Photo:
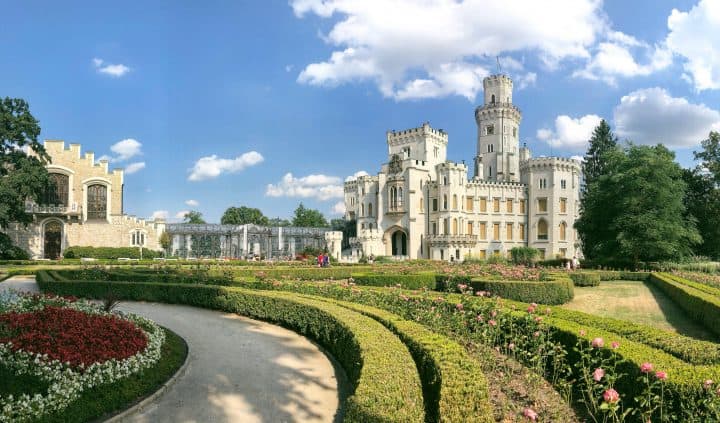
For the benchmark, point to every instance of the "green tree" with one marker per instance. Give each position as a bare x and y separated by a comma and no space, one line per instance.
651,222
308,218
602,142
710,156
242,215
276,221
23,176
193,216
165,241
702,204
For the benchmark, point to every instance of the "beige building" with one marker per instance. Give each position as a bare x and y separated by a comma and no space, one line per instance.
84,209
420,205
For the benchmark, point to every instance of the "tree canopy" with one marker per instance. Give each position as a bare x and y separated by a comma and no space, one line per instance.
309,218
193,216
243,215
602,143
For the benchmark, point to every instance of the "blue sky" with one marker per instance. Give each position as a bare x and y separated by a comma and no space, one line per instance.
222,99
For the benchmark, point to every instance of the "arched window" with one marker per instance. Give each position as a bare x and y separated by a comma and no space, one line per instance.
57,191
400,197
563,231
445,202
362,210
454,201
97,202
370,210
446,230
542,229
492,99
455,227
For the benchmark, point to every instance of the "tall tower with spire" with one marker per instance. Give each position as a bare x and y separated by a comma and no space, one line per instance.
498,122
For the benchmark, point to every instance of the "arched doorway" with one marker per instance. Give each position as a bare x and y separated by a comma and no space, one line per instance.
399,243
52,240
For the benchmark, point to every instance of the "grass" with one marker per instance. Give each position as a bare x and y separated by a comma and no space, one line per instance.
16,385
636,302
104,401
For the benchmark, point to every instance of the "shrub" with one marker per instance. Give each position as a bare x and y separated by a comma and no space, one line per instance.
701,305
557,291
585,279
109,252
385,382
419,280
524,255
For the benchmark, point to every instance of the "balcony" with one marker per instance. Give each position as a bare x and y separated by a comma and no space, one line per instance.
53,209
465,240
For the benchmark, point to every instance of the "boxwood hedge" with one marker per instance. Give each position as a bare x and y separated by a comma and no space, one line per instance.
585,279
385,382
419,280
697,300
558,291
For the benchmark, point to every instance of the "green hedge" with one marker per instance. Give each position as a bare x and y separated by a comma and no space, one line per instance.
558,291
301,273
134,274
109,252
585,279
385,382
699,304
419,280
454,387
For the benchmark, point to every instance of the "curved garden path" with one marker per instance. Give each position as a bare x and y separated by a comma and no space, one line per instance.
239,370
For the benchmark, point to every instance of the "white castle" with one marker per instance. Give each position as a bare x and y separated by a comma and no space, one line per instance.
420,205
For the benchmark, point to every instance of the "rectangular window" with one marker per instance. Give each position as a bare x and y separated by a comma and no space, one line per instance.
563,205
509,203
483,230
469,228
434,204
563,252
496,205
509,231
542,253
483,254
457,254
522,206
496,232
563,184
542,205
496,253
406,152
483,205
521,231
434,228
469,204
489,130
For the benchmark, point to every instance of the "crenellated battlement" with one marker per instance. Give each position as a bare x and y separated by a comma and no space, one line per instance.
560,163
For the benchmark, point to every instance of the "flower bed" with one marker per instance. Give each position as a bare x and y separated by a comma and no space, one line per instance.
71,365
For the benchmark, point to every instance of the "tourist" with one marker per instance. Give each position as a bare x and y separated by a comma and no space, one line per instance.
326,260
567,265
575,263
320,260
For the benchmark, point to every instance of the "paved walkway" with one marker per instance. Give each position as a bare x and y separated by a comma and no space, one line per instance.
240,370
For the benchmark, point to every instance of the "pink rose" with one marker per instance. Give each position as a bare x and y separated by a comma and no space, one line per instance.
615,345
598,343
459,306
661,375
598,374
646,367
536,333
531,309
582,332
611,396
708,383
492,323
530,414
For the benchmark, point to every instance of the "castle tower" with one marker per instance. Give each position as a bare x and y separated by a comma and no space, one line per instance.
498,122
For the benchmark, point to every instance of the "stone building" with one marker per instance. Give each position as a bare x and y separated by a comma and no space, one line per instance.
420,205
85,208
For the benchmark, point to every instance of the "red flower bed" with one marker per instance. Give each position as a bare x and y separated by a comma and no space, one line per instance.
72,336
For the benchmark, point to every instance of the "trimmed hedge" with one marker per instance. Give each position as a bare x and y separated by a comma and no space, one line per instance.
138,275
385,382
558,291
419,280
109,252
585,279
693,298
454,387
302,273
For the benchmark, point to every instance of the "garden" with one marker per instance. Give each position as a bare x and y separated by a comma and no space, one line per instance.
489,342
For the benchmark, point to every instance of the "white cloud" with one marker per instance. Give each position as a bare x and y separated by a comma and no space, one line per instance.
356,175
211,167
694,35
652,116
134,167
322,187
433,48
338,208
123,150
181,214
525,80
160,214
114,70
615,59
570,134
192,203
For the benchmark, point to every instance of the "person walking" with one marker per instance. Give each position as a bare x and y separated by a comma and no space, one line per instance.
326,260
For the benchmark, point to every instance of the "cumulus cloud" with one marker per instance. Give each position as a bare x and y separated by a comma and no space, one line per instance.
123,150
356,175
192,203
338,208
160,214
694,36
617,59
321,187
211,167
181,214
652,115
434,48
114,70
134,167
569,133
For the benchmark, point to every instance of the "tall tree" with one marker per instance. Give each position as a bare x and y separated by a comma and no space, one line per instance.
702,203
193,216
308,218
651,224
276,221
242,215
602,142
23,176
710,156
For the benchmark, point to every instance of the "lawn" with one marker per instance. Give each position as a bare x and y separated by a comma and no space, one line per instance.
639,303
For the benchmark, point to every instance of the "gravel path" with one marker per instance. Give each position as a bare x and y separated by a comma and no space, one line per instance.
240,370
